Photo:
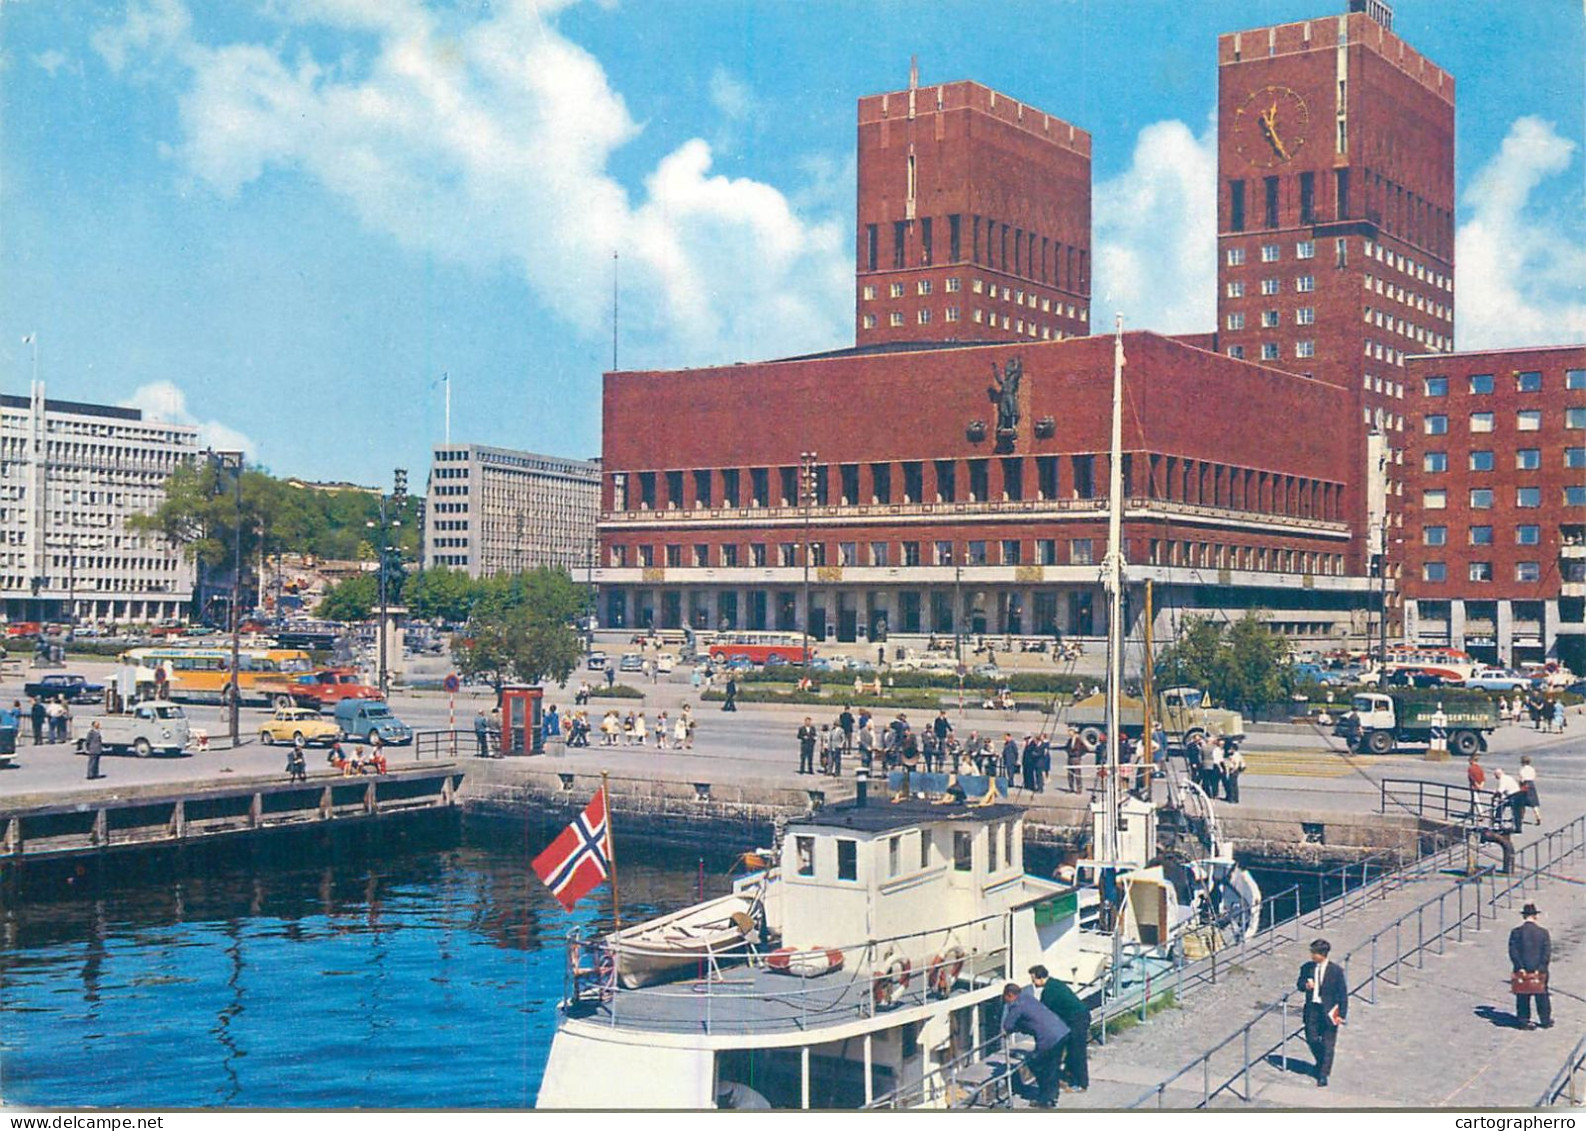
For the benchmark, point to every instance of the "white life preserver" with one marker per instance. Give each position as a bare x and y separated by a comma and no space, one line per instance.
892,979
944,970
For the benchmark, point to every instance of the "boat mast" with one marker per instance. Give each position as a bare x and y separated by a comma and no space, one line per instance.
1112,580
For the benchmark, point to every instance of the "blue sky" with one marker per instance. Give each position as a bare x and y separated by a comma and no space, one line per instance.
286,219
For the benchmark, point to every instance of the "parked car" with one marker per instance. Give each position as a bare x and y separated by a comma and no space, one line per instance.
154,727
73,688
1498,679
631,662
774,661
986,671
598,661
740,663
665,662
360,718
291,723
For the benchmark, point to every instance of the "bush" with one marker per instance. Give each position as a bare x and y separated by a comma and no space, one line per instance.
616,691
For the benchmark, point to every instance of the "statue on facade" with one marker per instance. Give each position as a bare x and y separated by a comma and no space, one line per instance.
1004,393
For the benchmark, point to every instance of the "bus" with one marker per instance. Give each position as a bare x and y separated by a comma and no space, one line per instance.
203,675
759,647
1449,664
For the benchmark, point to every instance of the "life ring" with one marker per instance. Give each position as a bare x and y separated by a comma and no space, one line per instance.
893,979
811,963
944,970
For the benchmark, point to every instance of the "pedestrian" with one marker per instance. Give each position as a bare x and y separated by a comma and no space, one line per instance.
482,734
66,720
94,747
943,727
730,703
376,752
1076,760
867,743
296,763
1559,720
1213,769
628,725
1022,1012
336,757
1527,777
1010,758
610,727
1508,803
641,731
807,736
824,745
688,726
1476,779
845,720
611,676
1233,767
680,732
1503,709
551,724
1326,1006
1530,951
1060,998
930,749
57,721
38,715
834,752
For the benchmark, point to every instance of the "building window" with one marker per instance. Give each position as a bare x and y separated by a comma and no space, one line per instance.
1481,498
1528,420
1434,536
1575,418
963,850
1436,425
896,290
1269,351
1480,571
1236,257
1528,459
975,554
1305,249
1527,535
1575,496
878,553
1481,384
1481,535
848,554
1437,386
1575,378
1527,571
869,321
646,556
911,553
1236,321
896,319
1236,352
1046,551
1305,284
1306,348
1434,500
1481,422
1528,497
701,557
1434,571
757,554
925,316
943,554
951,314
787,554
804,851
1236,289
1305,316
1236,206
1270,253
1481,461
1081,551
1573,457
1528,382
923,287
1269,319
1010,552
1434,462
953,285
1271,286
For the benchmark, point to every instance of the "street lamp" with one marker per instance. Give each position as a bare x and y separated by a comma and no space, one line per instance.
807,497
233,462
398,495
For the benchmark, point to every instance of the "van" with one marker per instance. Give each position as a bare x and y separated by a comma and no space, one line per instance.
360,718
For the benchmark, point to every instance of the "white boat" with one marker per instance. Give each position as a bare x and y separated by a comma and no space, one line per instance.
704,934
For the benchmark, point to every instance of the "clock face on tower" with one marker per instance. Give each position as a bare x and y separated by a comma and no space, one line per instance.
1271,127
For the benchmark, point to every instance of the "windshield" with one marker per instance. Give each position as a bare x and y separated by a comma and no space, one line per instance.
1189,698
168,712
1362,703
377,711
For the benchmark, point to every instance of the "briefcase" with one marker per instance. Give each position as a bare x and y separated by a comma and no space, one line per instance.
1528,982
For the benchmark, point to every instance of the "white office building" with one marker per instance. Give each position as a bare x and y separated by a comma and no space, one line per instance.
495,510
70,476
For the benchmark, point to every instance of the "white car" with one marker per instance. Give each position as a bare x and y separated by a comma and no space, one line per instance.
665,662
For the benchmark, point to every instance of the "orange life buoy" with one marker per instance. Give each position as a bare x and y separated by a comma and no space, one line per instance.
891,981
944,970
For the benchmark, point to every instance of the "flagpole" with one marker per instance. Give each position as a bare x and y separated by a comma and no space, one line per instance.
611,854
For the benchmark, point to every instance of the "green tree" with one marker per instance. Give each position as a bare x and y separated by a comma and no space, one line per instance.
523,627
351,600
1242,664
1196,658
447,594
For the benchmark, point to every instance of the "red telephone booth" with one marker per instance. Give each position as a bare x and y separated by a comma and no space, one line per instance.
522,731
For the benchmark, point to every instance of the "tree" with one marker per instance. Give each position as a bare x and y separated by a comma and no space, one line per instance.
523,627
351,600
1240,664
446,594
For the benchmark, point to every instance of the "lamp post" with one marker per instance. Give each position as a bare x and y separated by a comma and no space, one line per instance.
233,462
807,497
589,594
388,503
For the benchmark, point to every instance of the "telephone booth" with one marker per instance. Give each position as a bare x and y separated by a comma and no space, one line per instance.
522,731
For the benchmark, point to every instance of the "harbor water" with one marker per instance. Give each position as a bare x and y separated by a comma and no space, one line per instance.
412,966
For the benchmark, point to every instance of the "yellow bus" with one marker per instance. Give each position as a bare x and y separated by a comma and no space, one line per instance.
203,675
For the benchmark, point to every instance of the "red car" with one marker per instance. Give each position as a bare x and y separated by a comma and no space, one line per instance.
326,687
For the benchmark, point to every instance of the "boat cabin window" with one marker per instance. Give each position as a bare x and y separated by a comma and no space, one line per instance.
925,848
1007,844
963,851
804,852
991,845
847,859
894,855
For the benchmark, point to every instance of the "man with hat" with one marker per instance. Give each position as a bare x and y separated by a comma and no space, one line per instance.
1326,1006
1530,949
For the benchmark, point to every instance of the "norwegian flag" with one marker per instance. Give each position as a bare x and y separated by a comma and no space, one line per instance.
579,858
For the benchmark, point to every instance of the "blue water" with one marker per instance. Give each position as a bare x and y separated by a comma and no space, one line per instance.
419,972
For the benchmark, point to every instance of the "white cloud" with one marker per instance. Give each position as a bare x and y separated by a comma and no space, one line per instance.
165,401
491,142
730,95
1156,234
1521,272
51,61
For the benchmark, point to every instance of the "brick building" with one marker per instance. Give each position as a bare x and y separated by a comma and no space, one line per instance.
1494,538
1336,225
925,517
957,176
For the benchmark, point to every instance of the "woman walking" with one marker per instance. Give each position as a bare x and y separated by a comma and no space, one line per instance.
1528,787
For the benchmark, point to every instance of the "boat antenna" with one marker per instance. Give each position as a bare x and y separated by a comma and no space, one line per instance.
1112,579
611,849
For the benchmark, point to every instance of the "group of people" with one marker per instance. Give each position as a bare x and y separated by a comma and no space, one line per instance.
363,759
1215,764
1048,1011
51,719
1546,713
634,729
1511,797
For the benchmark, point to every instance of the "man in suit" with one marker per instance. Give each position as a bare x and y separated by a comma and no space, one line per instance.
1530,949
1071,1011
807,738
1326,1006
1022,1012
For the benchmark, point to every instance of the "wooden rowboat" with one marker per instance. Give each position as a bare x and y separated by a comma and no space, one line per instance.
675,945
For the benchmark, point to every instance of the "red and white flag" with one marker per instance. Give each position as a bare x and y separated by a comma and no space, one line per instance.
579,859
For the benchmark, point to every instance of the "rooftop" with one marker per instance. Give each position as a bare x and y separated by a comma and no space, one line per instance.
882,815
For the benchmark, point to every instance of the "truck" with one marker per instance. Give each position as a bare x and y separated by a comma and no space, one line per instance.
323,688
72,688
152,727
1182,712
1379,722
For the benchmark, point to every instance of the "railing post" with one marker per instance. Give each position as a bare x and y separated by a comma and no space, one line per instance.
1398,951
1420,937
1373,969
1321,901
1283,1042
1247,1063
1442,925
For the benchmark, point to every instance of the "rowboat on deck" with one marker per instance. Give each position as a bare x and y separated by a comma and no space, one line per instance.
661,949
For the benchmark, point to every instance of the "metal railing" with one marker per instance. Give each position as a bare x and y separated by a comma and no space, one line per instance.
449,744
1567,1086
1467,908
1438,800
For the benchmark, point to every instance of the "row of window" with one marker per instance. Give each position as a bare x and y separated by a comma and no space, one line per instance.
1385,320
1272,351
1273,285
1528,381
1420,271
1271,319
1525,420
1481,571
1481,498
999,246
1525,459
1273,253
1391,291
1402,211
